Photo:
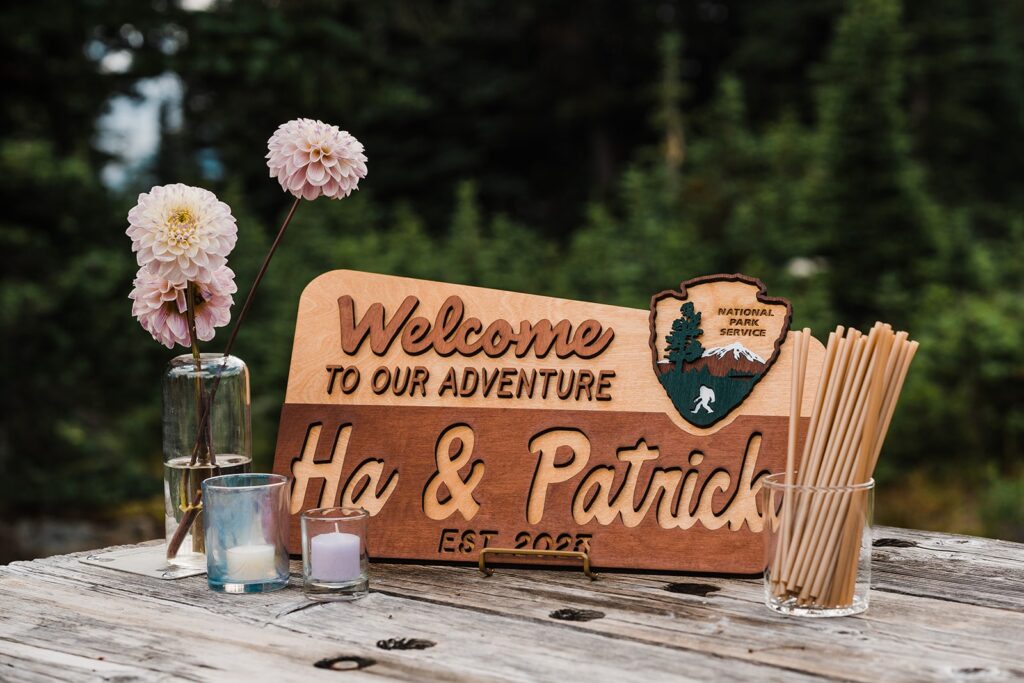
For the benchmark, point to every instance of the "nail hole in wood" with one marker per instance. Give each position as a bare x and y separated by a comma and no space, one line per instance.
701,589
893,543
345,663
570,614
405,644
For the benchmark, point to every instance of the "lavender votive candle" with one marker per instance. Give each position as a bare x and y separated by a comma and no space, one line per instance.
335,556
334,561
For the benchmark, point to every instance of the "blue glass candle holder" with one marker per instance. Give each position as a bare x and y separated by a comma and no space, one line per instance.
245,518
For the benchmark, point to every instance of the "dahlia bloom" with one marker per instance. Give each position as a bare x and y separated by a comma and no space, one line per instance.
311,158
160,305
181,233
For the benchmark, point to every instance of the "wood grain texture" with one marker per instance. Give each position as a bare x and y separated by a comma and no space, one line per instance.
595,457
64,620
318,344
692,505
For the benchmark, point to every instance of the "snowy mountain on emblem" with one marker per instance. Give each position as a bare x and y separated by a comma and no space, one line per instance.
738,351
734,360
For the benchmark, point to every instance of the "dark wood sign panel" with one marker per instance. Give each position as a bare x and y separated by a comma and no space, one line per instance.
465,418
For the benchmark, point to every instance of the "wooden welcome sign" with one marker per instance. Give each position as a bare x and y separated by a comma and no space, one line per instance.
463,418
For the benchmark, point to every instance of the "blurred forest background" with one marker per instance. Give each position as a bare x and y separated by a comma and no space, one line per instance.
863,158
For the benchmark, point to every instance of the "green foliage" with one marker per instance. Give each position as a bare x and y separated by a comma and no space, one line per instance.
869,202
62,330
859,157
1001,510
966,84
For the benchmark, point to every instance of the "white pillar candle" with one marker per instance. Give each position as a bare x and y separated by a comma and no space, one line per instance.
252,563
334,557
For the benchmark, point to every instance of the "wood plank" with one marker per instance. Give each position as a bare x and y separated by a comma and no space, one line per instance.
281,632
962,569
151,641
31,663
684,520
928,625
899,637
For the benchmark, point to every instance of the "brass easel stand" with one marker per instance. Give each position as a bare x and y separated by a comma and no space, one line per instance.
562,554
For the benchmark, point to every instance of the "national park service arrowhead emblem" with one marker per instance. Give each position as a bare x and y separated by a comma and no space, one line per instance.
712,342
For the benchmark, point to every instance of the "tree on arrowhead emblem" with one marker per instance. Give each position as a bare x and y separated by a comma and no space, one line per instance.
683,344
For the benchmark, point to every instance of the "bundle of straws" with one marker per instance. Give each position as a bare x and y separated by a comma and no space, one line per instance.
819,529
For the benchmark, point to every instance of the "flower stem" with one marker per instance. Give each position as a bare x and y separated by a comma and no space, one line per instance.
204,437
192,478
248,303
259,278
188,519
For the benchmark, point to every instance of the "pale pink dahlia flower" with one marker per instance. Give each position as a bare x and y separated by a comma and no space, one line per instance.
311,158
181,233
160,305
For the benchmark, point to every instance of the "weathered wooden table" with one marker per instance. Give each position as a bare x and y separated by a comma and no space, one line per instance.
943,608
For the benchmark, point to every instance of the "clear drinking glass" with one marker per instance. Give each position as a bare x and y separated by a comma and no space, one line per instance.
246,525
334,561
817,547
225,446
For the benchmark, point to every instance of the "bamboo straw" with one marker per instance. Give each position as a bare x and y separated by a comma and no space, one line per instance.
801,341
845,576
778,564
891,406
809,549
903,353
816,558
888,348
843,348
842,586
795,394
828,390
832,514
819,399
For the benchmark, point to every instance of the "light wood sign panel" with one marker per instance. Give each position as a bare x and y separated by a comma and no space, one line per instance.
464,418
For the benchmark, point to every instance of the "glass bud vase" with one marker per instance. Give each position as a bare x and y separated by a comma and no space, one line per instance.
191,455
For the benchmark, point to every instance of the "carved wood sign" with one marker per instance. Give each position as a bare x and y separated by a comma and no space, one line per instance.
464,418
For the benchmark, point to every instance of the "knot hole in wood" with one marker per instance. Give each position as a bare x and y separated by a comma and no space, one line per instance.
345,663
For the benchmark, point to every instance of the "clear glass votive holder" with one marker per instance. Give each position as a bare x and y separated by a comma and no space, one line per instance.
334,561
817,547
246,525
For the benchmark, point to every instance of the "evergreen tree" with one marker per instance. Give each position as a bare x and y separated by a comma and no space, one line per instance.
465,239
683,343
966,95
510,147
870,206
672,90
